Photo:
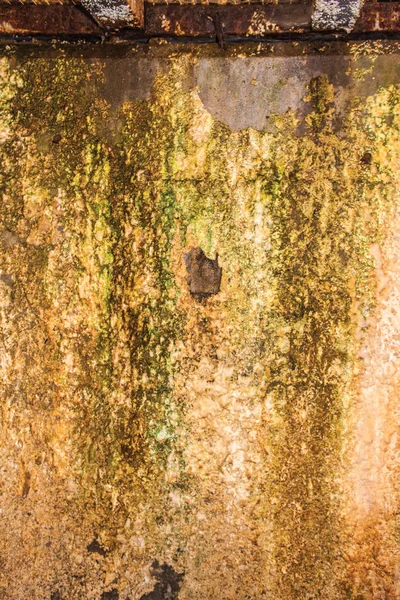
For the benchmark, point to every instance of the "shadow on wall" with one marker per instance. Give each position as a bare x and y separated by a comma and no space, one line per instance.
168,583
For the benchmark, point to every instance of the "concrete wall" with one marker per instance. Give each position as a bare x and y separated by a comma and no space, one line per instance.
158,445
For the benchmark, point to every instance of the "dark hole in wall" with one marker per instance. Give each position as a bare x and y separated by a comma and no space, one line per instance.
111,595
204,274
95,547
168,583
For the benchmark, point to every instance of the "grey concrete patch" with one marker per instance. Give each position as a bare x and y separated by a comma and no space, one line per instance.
244,92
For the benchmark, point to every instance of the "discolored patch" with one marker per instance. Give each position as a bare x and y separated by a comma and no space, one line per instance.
110,595
204,274
366,159
168,583
95,547
26,484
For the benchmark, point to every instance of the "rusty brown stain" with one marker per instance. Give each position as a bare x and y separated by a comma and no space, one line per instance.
56,19
379,16
240,20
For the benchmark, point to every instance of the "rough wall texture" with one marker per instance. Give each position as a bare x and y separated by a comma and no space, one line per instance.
157,445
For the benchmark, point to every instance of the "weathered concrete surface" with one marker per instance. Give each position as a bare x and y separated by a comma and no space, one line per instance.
333,15
114,14
157,445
